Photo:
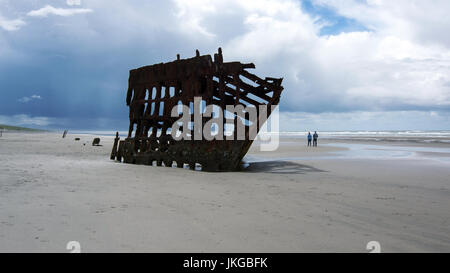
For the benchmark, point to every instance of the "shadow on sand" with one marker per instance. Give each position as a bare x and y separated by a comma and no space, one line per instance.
280,167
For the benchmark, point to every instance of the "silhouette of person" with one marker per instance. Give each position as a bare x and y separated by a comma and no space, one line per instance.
309,138
315,137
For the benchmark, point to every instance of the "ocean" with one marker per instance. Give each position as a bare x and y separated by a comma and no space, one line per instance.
437,136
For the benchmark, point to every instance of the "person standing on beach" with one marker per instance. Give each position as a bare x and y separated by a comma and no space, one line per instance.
309,139
315,137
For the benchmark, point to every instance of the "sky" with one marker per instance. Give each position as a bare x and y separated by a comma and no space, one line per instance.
346,64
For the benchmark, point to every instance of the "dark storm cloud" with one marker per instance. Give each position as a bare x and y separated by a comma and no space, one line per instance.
78,62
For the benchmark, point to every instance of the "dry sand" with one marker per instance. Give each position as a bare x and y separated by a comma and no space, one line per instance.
297,199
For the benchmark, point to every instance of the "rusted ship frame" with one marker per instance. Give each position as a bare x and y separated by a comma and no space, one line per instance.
154,90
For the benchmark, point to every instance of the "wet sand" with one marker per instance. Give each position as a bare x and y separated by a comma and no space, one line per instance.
333,198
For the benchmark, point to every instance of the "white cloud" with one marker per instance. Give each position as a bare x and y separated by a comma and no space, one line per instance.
365,120
73,2
28,99
11,25
402,62
47,10
387,67
419,20
23,119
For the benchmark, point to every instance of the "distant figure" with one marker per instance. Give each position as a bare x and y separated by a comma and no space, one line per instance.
309,139
64,134
315,137
1,131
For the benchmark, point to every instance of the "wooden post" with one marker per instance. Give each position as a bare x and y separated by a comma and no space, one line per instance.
114,149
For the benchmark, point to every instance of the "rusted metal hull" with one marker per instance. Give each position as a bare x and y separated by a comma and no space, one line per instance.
215,156
155,90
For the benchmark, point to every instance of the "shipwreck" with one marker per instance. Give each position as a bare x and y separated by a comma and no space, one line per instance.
158,95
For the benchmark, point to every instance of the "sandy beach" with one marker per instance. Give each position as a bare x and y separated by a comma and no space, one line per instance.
333,198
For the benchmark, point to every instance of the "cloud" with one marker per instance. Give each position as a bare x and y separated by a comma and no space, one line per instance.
47,10
27,120
73,2
46,122
398,59
365,121
420,21
11,25
360,70
28,99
